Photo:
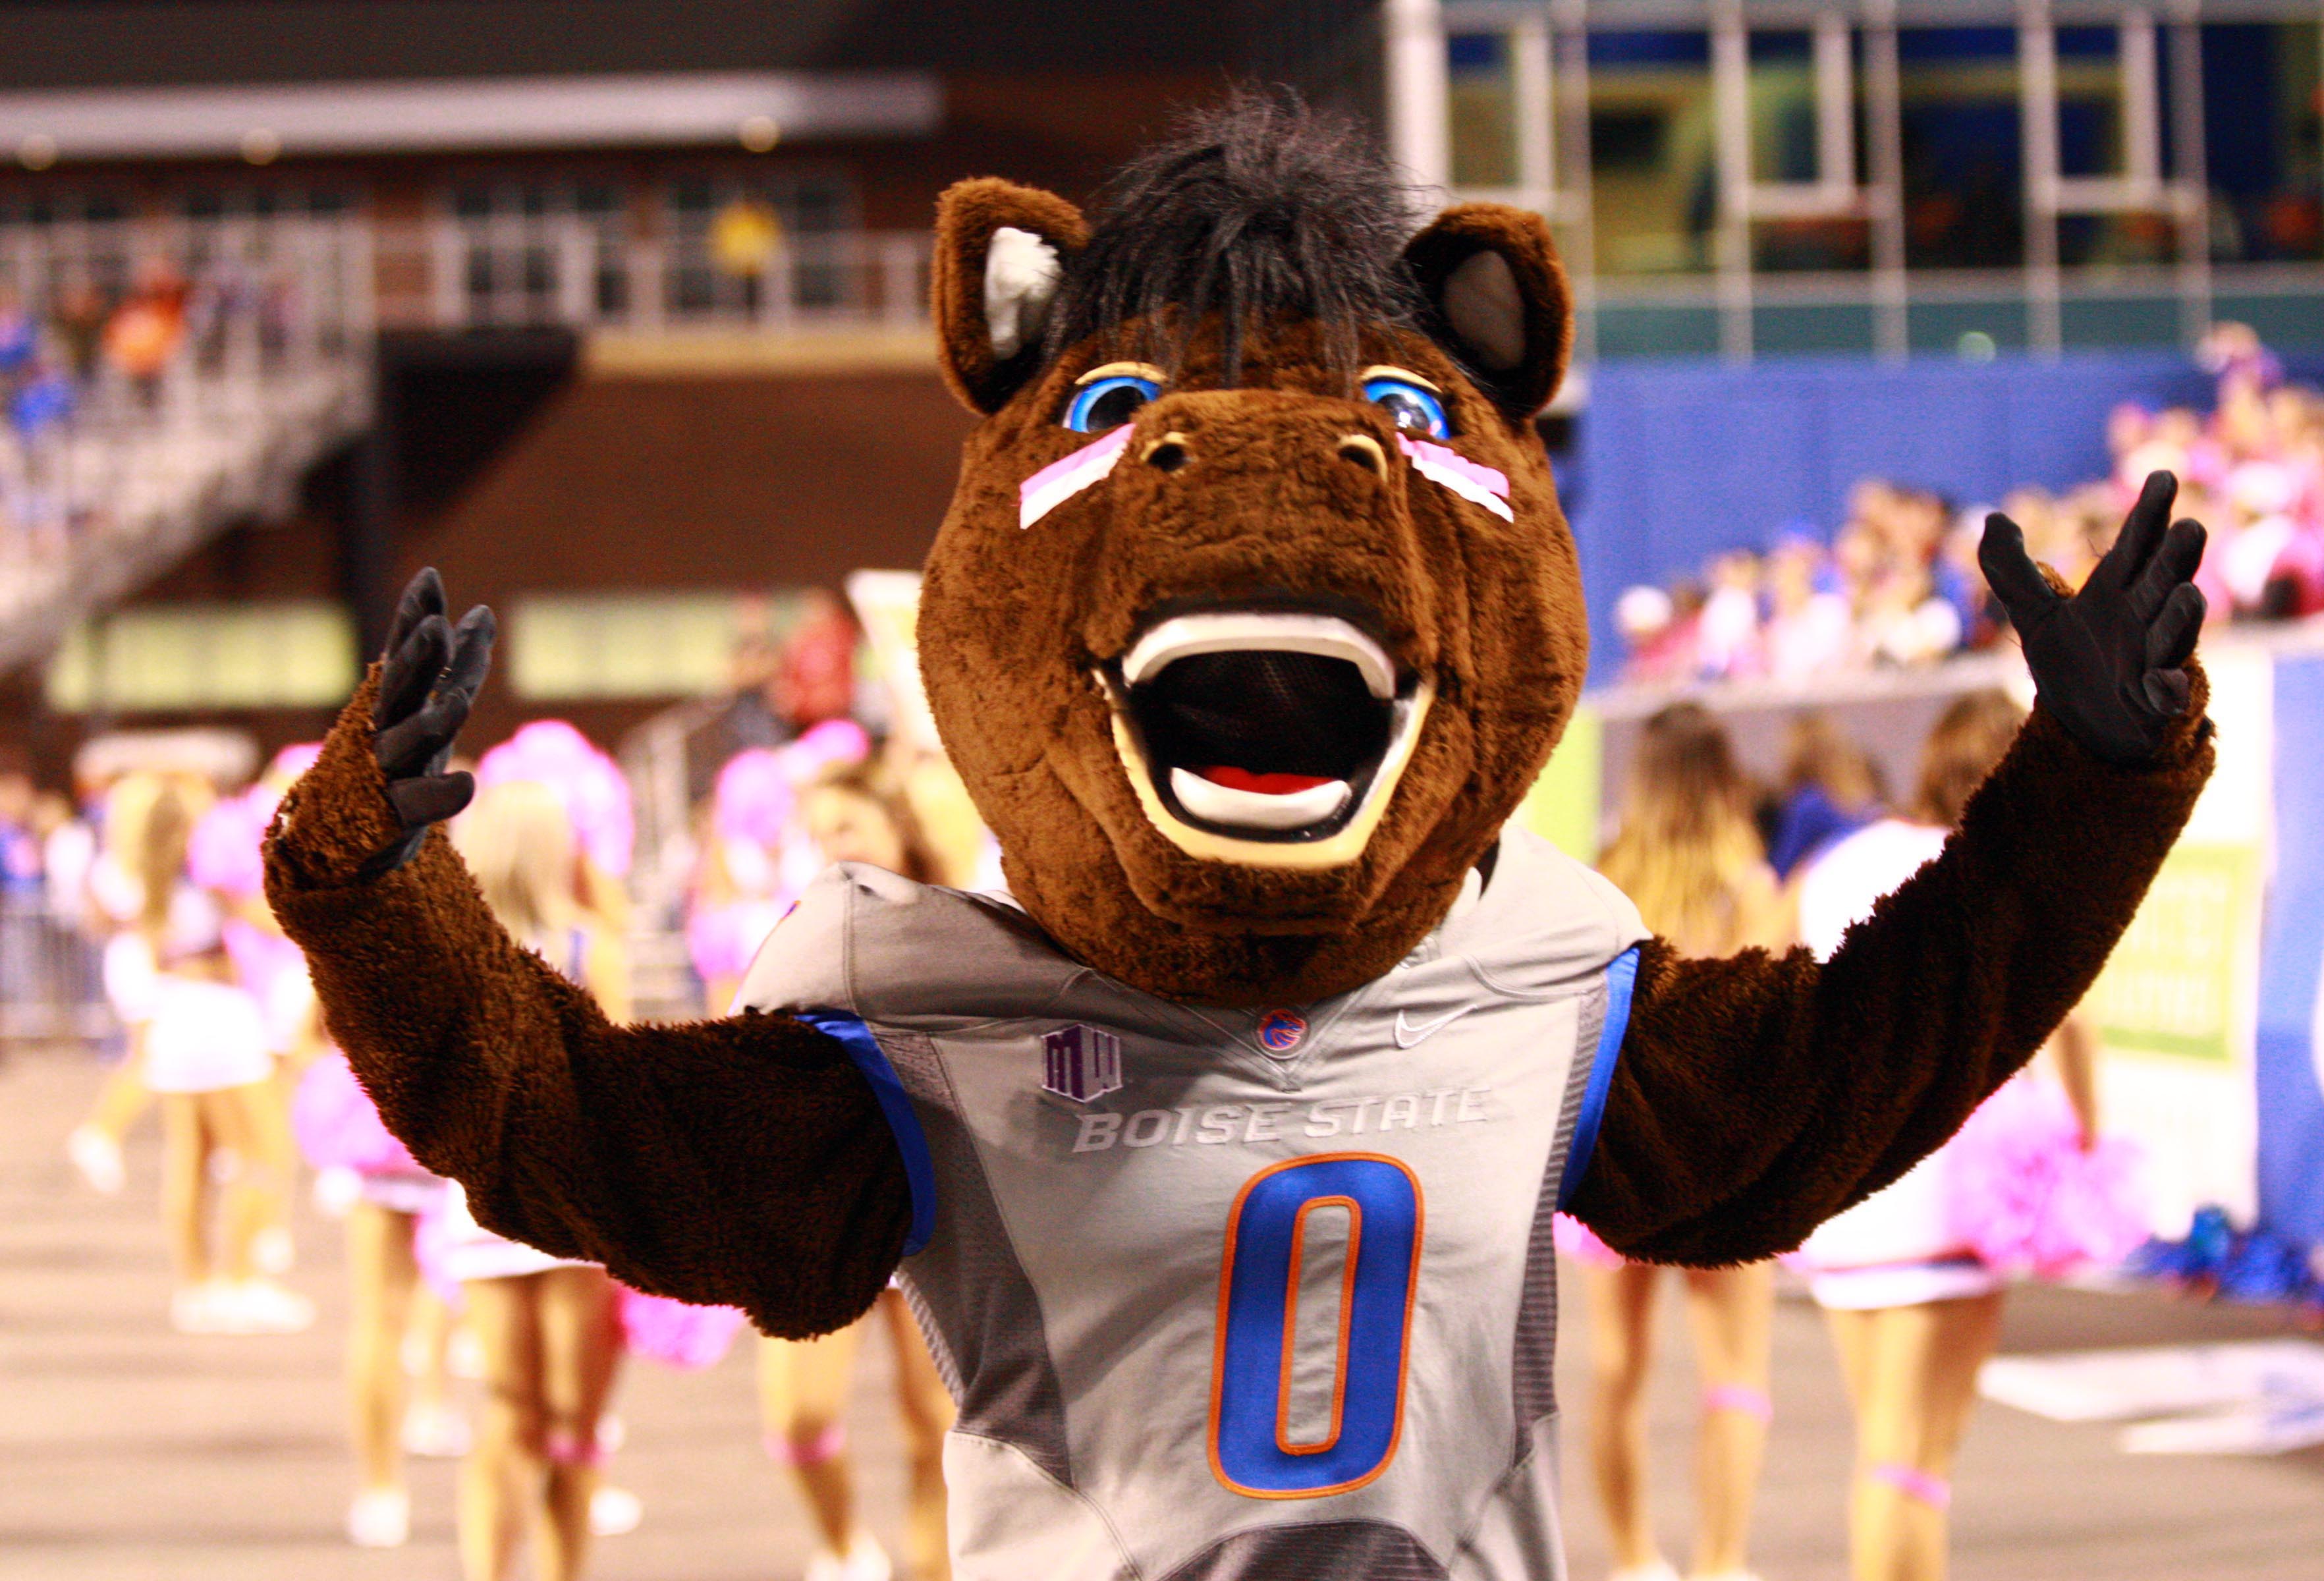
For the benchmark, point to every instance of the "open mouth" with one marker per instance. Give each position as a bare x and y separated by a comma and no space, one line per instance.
1273,737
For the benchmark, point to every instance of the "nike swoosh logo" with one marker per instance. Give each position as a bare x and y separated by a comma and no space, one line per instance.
1410,1035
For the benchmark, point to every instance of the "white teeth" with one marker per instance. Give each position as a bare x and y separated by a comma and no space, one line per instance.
1255,810
1263,631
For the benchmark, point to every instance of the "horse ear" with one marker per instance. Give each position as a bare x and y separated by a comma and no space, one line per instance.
1000,251
1497,299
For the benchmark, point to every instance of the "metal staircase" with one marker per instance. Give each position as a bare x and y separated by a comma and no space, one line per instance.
162,382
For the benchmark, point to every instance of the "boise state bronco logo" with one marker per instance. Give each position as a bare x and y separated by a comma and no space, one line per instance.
1281,1031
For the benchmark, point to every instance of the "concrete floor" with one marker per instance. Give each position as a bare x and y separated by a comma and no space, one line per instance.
128,1452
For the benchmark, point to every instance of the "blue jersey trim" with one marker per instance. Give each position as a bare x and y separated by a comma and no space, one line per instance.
896,1104
1621,977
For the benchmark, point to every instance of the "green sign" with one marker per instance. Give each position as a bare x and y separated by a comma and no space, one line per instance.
1561,807
2171,985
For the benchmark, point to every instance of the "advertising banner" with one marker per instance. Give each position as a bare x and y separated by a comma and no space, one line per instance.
2177,1004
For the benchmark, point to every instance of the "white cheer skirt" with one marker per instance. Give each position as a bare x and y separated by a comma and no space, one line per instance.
463,1250
205,1038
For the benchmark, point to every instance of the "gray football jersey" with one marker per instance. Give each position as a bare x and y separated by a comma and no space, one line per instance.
1233,1293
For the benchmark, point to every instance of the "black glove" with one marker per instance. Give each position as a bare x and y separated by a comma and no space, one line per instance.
2108,660
427,683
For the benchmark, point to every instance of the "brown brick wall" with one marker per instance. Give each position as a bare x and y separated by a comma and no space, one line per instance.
618,484
690,484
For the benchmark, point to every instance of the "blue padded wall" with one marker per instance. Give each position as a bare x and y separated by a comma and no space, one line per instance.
1677,460
2290,1076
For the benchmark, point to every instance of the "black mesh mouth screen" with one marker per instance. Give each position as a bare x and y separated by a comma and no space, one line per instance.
1263,712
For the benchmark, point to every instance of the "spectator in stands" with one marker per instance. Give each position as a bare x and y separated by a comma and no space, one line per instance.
2234,353
1662,630
1726,637
1903,567
1811,627
142,337
78,317
1905,620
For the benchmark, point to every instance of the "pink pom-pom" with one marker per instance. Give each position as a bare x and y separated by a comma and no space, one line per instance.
722,940
274,972
758,790
753,798
833,741
226,852
339,1127
595,792
1580,1243
713,942
676,1333
2026,1197
291,762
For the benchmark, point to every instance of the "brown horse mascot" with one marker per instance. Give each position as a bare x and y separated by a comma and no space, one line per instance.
1218,1158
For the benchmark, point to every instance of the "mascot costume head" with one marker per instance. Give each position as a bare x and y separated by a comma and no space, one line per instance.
1255,614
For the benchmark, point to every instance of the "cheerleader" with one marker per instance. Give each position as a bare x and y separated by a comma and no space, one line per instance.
224,859
1689,854
752,867
206,1054
550,1327
109,903
804,1384
1911,1278
384,1192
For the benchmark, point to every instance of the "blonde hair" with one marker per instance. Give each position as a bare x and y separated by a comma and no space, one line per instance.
1686,847
127,809
125,805
159,845
517,842
1817,752
1969,738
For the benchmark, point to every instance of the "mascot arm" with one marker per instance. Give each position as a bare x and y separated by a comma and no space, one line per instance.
1757,1095
742,1161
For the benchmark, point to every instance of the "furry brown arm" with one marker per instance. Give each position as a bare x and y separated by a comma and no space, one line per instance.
1757,1095
740,1161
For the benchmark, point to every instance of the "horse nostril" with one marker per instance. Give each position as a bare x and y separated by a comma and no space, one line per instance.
1166,454
1365,452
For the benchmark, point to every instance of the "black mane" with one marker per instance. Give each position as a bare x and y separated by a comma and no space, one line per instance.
1257,209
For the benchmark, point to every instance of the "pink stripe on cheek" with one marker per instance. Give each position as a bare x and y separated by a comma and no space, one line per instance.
1062,479
1491,480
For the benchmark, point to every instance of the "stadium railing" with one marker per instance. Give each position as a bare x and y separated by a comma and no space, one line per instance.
51,987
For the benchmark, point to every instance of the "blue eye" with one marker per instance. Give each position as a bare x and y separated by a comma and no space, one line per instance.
1414,408
1109,402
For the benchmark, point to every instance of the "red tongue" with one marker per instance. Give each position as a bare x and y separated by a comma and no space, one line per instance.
1235,779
